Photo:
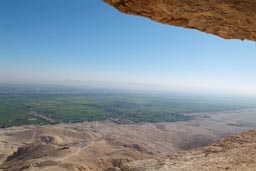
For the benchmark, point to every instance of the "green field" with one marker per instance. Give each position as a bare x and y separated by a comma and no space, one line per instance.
78,107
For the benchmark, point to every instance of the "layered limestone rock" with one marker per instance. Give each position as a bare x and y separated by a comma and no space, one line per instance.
230,19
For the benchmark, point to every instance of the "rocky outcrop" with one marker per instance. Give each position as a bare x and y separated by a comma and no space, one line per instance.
235,153
230,19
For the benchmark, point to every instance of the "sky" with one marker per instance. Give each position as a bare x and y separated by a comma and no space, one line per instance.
58,40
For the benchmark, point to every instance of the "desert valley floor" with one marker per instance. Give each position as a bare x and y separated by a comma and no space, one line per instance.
105,145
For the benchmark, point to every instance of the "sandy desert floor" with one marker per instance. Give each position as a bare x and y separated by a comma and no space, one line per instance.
103,145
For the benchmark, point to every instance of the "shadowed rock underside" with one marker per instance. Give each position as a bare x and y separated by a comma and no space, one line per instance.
229,19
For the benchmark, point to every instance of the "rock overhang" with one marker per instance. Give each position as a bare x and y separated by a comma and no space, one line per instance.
229,19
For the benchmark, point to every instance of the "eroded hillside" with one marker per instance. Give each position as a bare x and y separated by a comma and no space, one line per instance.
235,153
92,146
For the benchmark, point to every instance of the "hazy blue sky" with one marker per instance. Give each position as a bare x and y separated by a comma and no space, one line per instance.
56,40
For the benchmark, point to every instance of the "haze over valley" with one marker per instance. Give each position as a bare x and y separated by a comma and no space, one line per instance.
70,128
86,87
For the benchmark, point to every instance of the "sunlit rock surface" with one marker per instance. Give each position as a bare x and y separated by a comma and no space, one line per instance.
235,153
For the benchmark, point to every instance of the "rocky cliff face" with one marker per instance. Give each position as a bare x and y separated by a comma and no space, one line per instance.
236,153
230,19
